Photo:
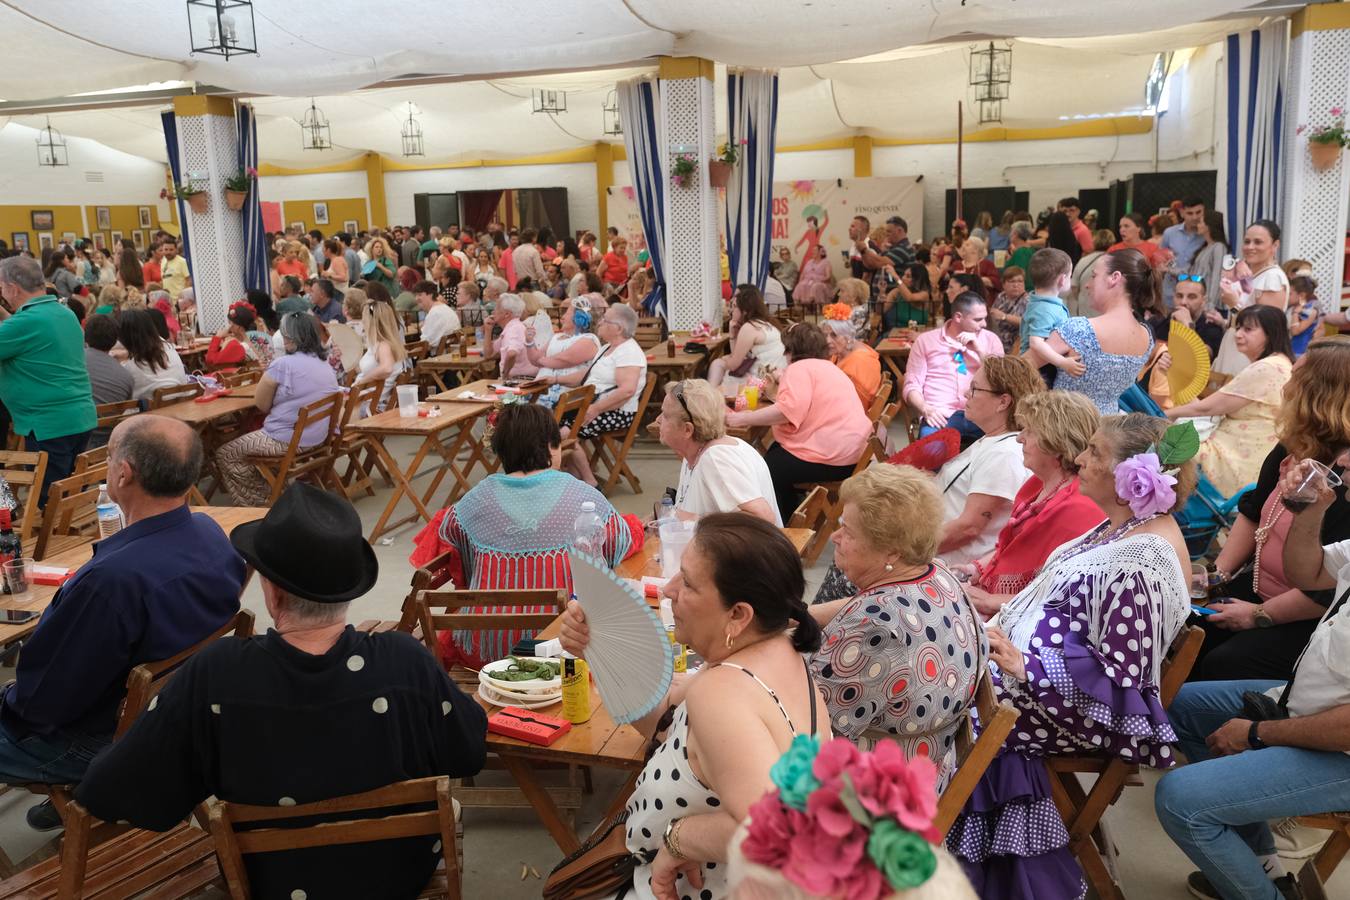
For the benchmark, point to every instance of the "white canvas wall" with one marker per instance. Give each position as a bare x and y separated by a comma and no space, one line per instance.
320,186
125,178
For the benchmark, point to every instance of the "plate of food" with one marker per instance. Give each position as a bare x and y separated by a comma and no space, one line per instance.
535,701
522,675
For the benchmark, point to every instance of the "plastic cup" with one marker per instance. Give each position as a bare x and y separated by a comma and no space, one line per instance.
752,397
675,536
407,401
1199,582
1317,475
18,576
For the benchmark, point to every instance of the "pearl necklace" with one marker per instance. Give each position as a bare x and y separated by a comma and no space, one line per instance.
1268,523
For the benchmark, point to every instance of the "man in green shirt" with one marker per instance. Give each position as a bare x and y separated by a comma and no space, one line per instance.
43,380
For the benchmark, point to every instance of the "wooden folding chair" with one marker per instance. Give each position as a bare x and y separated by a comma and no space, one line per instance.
812,513
314,464
1082,811
360,818
139,860
611,454
648,333
351,445
975,753
242,377
574,401
111,414
24,471
91,459
174,393
69,518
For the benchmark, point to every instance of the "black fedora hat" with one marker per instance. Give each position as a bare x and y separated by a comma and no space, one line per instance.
310,544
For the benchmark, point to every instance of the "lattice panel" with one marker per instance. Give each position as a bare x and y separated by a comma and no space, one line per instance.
209,154
1314,202
692,270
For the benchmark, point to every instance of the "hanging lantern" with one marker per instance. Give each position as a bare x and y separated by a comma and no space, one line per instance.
314,131
412,135
51,147
548,101
613,124
991,66
990,111
221,27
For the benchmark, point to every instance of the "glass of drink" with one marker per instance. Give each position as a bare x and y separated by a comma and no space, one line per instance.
1199,583
18,575
752,397
1315,476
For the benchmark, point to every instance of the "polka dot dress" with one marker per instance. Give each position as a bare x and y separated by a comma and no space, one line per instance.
613,420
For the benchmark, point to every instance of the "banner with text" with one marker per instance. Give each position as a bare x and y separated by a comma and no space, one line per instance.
810,214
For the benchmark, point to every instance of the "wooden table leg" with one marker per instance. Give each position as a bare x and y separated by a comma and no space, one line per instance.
543,804
403,486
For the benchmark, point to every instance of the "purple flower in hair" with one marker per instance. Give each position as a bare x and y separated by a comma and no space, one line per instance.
1142,484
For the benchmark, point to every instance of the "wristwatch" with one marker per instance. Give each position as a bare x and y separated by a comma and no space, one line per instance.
671,838
1253,739
1261,617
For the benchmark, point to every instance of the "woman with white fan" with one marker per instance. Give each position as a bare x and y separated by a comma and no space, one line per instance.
738,592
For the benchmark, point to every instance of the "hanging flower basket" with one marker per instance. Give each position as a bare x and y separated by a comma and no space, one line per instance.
683,170
1324,156
719,172
197,201
235,199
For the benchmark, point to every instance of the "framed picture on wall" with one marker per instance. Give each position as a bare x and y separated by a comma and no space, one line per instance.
103,218
298,226
144,213
116,236
45,241
68,237
138,239
43,219
99,240
20,240
320,213
350,227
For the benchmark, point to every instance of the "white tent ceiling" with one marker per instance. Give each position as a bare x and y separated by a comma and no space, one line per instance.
847,67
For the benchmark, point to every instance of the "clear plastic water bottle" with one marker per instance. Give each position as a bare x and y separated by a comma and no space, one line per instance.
109,514
587,530
478,336
666,510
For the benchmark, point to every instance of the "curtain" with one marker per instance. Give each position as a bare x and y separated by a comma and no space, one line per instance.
752,120
175,170
479,207
256,275
1257,61
645,142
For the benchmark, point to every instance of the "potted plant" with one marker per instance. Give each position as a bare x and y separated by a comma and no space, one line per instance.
719,167
237,185
187,191
683,169
1325,142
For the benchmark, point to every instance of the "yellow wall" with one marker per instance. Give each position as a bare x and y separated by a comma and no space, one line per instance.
125,219
339,210
17,218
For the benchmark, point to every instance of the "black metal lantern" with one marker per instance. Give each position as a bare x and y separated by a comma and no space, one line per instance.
222,27
51,147
991,67
548,101
990,111
314,131
412,135
613,123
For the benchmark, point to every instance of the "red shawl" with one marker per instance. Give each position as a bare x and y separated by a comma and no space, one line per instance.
1033,532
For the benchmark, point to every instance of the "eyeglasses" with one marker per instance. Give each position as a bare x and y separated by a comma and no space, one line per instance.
1185,276
678,393
973,389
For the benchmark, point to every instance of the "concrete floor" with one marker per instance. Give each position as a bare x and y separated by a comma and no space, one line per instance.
498,843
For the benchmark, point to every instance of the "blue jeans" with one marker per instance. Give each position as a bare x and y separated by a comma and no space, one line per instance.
1216,809
53,759
969,431
61,453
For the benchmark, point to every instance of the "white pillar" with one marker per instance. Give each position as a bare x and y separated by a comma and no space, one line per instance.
208,153
1314,202
693,273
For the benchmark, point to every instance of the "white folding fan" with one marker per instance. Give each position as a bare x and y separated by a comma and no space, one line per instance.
629,650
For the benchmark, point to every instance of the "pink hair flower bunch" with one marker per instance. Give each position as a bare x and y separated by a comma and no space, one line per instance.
844,823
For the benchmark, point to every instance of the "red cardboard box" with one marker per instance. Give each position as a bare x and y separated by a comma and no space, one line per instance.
528,725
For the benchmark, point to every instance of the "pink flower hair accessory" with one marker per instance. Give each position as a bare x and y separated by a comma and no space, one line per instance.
1141,482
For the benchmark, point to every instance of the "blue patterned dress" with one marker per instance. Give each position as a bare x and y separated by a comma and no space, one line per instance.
1108,375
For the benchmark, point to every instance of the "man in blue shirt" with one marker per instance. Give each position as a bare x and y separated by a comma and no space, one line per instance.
163,583
1183,242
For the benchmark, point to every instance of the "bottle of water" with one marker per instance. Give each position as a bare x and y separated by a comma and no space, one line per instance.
666,510
587,531
109,514
478,336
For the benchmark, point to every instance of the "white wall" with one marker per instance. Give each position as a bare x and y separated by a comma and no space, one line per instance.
321,186
126,178
578,178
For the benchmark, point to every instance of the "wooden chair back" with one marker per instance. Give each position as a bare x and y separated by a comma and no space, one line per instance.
110,414
974,754
418,350
148,679
361,818
648,333
70,510
298,462
24,472
90,459
427,577
1180,659
454,602
877,407
814,513
573,401
613,454
242,376
174,393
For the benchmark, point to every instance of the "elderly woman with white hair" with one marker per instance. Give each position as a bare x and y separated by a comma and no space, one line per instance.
509,347
618,373
718,473
854,358
570,349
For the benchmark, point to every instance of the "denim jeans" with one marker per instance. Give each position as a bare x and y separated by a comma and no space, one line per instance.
1216,809
969,431
54,758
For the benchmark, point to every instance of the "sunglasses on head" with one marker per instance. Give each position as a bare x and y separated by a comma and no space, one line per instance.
1198,279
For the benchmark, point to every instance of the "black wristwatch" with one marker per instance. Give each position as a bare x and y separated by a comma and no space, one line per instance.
1254,739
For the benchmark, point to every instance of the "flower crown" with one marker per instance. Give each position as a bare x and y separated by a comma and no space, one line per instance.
838,312
847,823
243,304
1146,480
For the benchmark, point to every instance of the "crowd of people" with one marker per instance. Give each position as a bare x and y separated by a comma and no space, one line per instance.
1032,533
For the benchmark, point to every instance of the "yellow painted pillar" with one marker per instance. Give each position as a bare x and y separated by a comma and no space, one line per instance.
862,156
379,210
604,180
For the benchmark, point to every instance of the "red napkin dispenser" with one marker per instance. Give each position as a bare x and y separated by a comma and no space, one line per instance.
528,725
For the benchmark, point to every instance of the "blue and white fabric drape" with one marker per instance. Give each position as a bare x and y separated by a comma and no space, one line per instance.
752,117
645,142
1257,61
175,170
256,277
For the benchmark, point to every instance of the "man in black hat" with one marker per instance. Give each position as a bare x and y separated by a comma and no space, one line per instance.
312,709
